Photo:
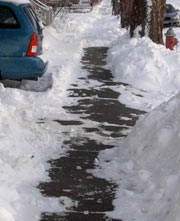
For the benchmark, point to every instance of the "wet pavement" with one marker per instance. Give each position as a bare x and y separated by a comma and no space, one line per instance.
101,122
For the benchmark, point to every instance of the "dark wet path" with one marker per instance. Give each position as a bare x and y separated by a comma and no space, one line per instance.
100,122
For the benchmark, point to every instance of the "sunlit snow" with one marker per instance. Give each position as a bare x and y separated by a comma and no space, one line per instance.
146,166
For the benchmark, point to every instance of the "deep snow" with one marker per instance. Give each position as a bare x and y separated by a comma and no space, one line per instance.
146,165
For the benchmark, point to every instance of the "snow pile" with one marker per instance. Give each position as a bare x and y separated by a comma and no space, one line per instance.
146,66
147,167
24,150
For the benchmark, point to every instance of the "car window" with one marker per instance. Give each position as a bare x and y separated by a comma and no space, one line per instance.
170,8
33,18
7,18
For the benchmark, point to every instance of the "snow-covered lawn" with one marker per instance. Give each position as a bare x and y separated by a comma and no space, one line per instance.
146,165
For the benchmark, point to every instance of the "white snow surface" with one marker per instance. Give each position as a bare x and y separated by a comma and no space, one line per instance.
149,67
145,166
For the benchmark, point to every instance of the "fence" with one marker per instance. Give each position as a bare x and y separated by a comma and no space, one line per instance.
44,12
47,10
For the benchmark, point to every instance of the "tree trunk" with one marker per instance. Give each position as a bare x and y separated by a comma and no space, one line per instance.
144,17
138,18
125,11
156,22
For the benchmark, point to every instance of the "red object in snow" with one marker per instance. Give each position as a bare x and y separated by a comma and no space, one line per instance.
171,41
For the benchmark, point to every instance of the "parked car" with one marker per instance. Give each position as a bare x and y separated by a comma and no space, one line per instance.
20,41
172,16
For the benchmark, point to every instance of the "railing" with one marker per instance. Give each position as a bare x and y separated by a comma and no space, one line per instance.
77,8
44,12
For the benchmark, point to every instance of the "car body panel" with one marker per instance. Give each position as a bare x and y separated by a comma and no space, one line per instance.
28,67
14,42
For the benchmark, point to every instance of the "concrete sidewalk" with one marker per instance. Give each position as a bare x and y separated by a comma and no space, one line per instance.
71,175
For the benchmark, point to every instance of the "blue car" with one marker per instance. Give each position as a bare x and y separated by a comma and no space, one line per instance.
20,41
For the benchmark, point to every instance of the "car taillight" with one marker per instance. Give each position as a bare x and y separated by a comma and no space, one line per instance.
33,45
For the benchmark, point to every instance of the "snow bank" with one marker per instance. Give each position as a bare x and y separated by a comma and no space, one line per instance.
25,147
146,66
147,167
